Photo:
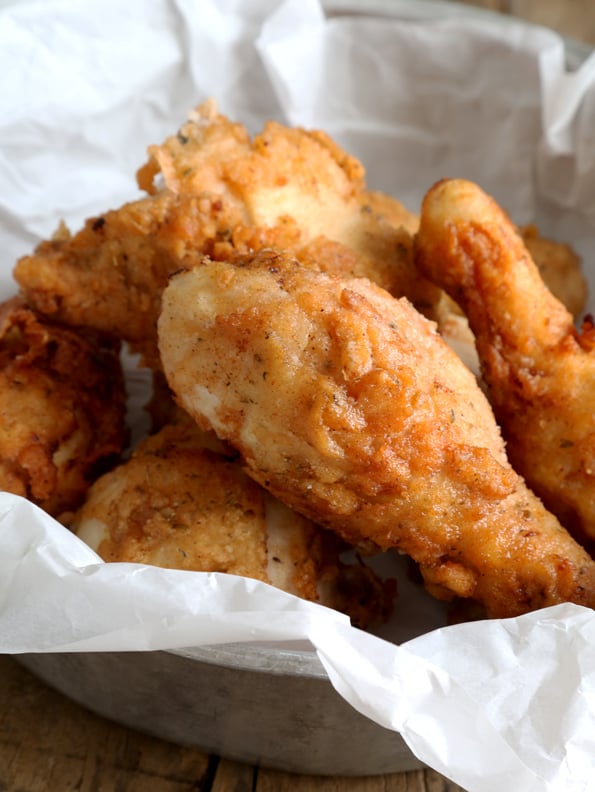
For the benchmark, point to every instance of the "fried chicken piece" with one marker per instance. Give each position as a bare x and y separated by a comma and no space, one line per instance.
109,276
540,372
221,192
291,173
560,267
347,405
390,209
180,503
561,270
62,407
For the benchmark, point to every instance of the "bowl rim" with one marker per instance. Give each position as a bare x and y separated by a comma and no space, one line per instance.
431,10
265,658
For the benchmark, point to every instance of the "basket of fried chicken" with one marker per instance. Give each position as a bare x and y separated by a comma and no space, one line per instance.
332,377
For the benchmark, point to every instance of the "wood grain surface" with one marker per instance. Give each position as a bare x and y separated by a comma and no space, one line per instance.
49,743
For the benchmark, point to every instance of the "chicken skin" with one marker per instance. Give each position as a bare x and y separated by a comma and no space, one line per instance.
220,192
539,371
180,502
62,409
561,270
560,267
346,404
296,177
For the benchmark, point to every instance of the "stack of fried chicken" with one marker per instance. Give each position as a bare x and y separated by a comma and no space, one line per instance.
307,396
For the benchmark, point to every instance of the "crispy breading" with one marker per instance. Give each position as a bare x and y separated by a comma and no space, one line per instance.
62,406
177,504
540,372
345,403
379,433
221,192
390,209
289,173
561,270
180,503
109,275
560,267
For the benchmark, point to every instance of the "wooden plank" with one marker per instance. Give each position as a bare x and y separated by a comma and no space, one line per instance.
234,777
435,782
271,781
49,742
574,18
492,5
417,781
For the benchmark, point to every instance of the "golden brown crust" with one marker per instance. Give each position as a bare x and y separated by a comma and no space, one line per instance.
390,209
180,505
393,448
223,193
178,502
109,275
560,268
62,405
345,404
540,372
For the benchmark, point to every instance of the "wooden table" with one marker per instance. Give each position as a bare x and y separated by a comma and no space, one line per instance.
48,743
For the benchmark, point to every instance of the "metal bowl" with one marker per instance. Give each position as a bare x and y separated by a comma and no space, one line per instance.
271,707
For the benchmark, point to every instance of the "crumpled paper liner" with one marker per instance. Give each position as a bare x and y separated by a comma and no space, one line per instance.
501,704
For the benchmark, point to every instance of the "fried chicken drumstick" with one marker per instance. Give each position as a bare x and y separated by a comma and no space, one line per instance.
345,404
540,372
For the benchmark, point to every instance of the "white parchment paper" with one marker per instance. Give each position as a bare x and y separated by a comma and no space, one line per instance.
504,704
